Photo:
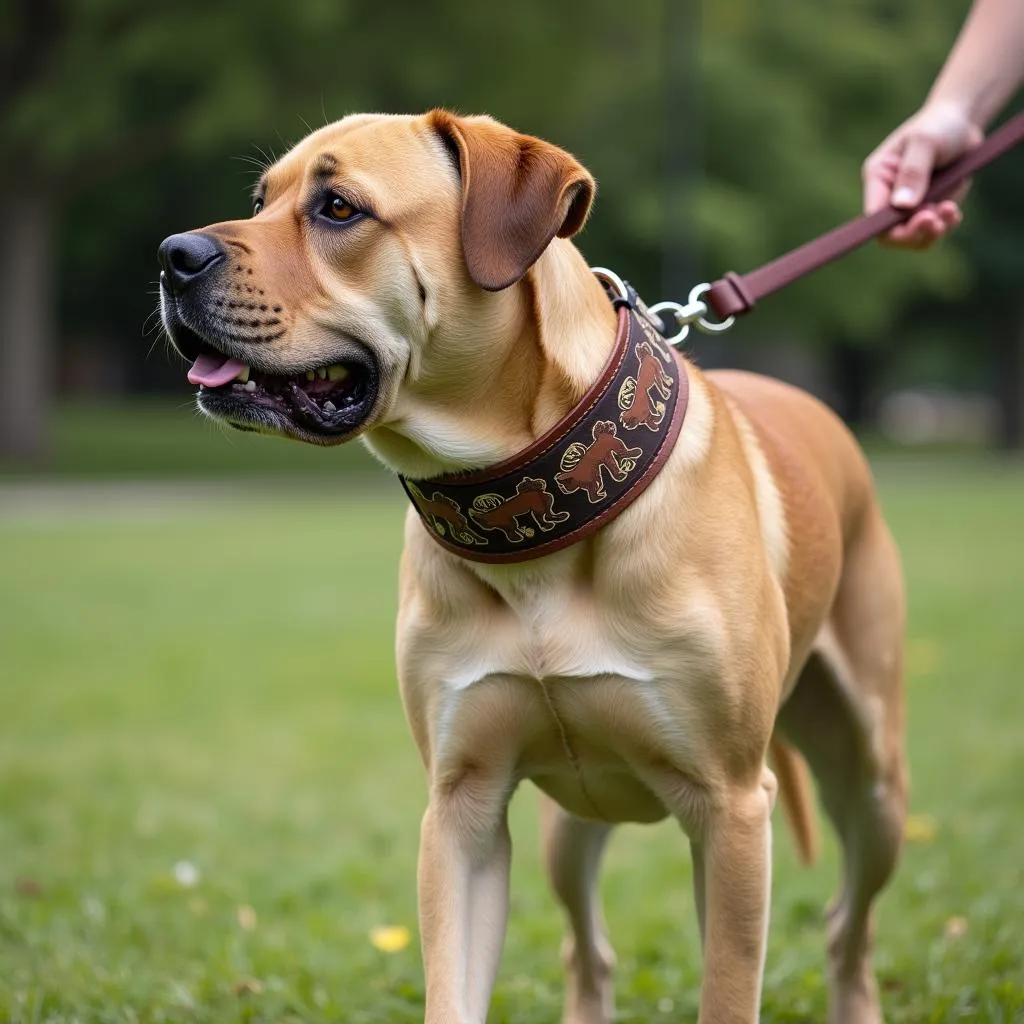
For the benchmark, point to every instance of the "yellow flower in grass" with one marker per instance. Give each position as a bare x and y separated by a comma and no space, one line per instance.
923,657
920,828
390,938
246,917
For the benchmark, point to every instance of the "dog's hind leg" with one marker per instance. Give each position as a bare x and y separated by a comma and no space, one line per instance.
846,716
572,853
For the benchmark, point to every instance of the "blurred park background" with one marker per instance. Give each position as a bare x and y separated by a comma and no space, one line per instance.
721,135
208,798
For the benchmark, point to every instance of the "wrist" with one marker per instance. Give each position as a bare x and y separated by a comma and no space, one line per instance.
948,106
976,101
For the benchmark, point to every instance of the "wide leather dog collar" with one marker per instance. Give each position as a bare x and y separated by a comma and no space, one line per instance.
582,473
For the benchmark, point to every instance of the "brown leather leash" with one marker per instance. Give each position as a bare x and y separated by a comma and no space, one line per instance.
736,294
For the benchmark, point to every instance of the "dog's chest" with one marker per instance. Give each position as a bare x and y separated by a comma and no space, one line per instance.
550,629
576,689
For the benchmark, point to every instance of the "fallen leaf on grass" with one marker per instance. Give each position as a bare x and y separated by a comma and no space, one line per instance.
920,828
956,928
246,917
247,987
27,887
390,938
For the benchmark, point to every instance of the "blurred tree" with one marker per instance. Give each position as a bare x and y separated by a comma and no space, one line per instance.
92,88
797,93
990,328
118,121
27,33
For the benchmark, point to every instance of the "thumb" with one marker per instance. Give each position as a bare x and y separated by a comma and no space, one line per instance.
915,172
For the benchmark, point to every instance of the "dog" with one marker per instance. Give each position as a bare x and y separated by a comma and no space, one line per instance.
411,280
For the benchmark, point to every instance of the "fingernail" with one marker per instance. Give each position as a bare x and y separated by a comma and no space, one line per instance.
903,197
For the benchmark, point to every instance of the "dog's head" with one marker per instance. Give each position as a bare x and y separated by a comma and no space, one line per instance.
372,246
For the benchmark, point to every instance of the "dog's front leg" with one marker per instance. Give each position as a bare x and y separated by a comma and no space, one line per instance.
465,853
734,872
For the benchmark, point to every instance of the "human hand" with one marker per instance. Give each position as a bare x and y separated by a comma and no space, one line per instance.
899,172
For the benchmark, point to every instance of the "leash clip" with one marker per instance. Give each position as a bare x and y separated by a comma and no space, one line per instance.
694,313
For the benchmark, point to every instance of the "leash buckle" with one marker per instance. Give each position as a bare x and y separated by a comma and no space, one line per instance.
693,314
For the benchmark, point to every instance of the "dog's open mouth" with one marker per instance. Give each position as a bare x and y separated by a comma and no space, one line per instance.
322,405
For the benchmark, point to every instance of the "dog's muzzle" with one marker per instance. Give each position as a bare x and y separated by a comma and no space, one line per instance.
229,344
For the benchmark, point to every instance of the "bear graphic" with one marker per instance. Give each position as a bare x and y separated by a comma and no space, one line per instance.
493,512
582,465
639,407
445,516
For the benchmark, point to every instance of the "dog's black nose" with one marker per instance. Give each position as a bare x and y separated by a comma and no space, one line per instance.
185,258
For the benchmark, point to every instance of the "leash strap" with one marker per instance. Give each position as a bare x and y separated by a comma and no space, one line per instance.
735,294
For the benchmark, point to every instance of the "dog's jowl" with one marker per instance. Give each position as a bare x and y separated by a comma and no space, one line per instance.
649,590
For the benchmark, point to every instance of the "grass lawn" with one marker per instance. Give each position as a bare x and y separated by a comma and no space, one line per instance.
169,437
208,797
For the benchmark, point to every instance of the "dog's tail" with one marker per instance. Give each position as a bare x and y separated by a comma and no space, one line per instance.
797,799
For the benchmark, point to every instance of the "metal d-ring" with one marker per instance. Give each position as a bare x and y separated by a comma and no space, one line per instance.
609,277
701,322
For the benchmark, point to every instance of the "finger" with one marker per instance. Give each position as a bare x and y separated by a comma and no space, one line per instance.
922,231
951,216
936,224
915,172
912,232
909,230
879,173
929,238
924,237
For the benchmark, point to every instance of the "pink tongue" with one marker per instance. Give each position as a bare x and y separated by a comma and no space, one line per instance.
213,371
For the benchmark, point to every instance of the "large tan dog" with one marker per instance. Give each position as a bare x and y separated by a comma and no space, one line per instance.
409,279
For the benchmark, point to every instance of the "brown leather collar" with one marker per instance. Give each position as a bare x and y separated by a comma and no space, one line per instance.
582,473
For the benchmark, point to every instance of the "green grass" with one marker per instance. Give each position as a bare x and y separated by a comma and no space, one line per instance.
159,438
210,680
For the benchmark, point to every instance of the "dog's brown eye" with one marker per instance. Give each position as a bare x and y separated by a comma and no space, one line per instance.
340,209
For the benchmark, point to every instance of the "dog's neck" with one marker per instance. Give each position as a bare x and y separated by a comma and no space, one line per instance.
521,365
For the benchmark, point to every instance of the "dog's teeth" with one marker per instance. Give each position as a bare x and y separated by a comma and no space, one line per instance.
243,374
310,375
336,372
250,385
322,373
330,407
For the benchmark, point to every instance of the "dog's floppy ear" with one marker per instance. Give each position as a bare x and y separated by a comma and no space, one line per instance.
518,192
